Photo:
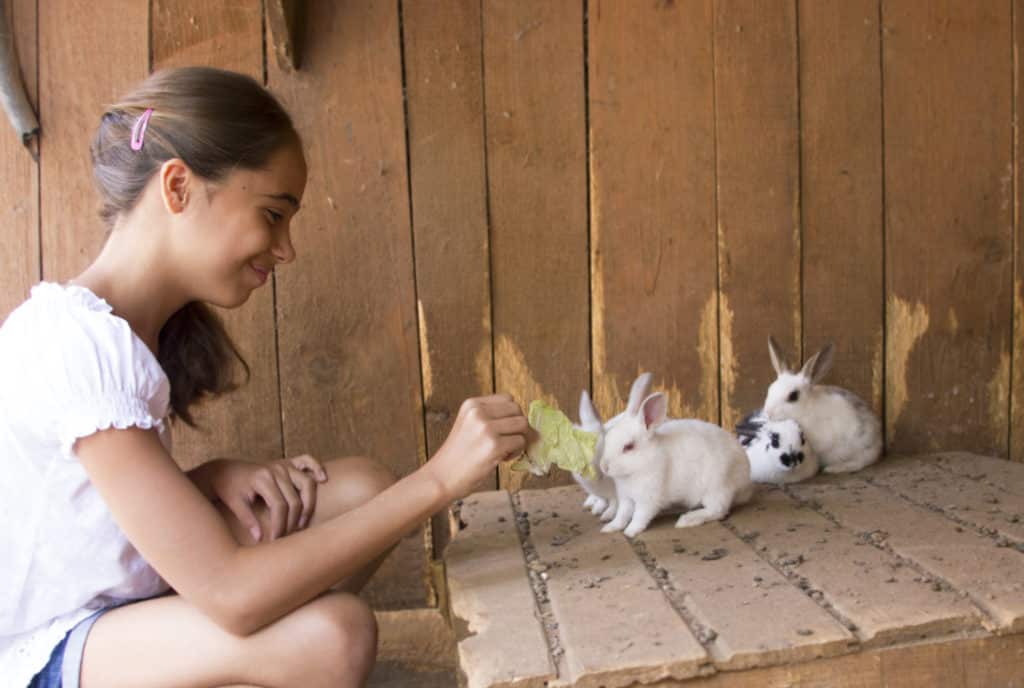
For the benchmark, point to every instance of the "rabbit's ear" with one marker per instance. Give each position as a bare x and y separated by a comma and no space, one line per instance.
654,408
778,360
819,364
589,417
641,386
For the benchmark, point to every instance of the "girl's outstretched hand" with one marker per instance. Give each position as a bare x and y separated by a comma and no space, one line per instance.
286,486
487,430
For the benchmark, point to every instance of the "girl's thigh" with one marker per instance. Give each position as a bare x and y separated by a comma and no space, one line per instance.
168,643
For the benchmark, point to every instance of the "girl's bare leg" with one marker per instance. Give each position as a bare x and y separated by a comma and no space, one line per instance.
330,641
168,643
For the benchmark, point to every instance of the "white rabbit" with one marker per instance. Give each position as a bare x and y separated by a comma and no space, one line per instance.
777,449
842,429
656,463
601,498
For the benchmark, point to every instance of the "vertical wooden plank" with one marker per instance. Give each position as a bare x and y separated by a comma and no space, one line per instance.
536,157
758,194
948,194
1017,364
19,195
90,52
652,200
444,101
349,366
247,423
841,190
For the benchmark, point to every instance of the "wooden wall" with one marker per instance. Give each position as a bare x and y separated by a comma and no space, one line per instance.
544,196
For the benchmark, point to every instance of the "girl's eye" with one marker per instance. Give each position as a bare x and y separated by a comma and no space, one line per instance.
794,395
628,447
274,217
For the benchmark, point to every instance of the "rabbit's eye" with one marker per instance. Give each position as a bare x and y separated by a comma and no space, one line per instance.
793,396
775,440
628,447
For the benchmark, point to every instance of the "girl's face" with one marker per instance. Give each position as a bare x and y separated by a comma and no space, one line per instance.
238,228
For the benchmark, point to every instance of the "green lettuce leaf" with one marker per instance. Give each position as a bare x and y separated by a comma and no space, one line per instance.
560,444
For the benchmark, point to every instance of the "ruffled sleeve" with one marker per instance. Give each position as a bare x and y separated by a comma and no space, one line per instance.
96,372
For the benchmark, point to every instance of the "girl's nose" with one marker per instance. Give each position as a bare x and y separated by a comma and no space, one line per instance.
283,250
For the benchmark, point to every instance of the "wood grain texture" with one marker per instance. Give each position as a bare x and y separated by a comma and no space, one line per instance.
758,195
246,423
652,201
536,165
841,190
85,63
948,197
19,195
1017,363
444,102
349,355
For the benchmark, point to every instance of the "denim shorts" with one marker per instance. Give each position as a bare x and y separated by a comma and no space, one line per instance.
65,665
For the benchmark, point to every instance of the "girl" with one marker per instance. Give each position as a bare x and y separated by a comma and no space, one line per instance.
200,173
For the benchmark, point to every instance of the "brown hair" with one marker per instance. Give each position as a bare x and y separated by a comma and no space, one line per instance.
215,121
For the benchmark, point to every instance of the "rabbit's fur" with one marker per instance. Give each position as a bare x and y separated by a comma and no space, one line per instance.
842,429
656,463
777,449
601,499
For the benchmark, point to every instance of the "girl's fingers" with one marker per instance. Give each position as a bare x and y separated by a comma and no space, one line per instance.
510,446
306,485
293,501
497,406
511,425
305,462
243,511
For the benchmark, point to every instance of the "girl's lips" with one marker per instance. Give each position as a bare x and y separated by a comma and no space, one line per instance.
263,274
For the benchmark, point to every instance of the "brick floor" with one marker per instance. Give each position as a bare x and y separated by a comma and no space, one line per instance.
909,571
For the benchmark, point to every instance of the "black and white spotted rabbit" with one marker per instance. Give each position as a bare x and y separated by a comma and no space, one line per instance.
777,449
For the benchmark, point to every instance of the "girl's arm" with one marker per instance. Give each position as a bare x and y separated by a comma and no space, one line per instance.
180,533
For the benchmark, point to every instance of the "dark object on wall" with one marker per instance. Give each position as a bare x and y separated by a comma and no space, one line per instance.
12,89
287,22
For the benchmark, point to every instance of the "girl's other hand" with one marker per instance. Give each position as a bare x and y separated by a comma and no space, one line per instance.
287,488
487,431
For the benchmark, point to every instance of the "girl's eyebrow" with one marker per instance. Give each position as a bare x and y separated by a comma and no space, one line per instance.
285,197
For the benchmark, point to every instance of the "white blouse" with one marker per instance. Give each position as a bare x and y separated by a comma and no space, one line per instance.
68,367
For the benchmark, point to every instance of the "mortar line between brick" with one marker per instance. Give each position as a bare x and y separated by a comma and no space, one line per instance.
1001,539
539,587
865,536
704,634
802,584
941,464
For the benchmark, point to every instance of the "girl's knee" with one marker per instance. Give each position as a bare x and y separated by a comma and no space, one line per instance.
343,634
359,478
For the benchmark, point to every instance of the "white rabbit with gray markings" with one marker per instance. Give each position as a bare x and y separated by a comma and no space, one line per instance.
841,428
657,462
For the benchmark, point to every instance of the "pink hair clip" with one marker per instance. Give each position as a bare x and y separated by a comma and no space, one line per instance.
139,130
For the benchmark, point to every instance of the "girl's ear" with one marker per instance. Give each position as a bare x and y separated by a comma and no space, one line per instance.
654,408
176,178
